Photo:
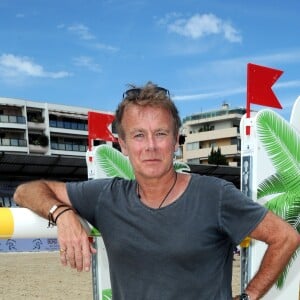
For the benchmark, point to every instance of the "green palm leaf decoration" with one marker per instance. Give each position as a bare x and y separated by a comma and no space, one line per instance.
113,162
282,144
180,166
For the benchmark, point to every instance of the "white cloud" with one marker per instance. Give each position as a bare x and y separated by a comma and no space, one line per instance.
167,18
237,68
87,62
106,47
205,96
288,84
15,66
291,56
199,26
82,31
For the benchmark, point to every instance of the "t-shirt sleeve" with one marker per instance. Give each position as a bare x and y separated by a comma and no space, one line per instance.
85,197
239,215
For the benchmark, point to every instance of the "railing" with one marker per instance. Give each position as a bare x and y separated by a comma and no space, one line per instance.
12,119
68,125
68,147
213,114
13,142
7,201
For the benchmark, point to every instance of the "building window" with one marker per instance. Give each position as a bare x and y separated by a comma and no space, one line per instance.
69,144
213,144
192,146
193,161
234,141
68,123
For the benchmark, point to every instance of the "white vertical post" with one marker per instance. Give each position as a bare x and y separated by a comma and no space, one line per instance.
100,266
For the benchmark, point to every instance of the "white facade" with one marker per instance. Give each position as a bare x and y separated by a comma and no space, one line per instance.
43,128
213,129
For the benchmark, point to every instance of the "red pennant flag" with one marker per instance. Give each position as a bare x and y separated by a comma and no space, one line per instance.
259,87
98,127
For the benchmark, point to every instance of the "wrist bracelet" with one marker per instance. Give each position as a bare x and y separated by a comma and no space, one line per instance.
244,296
51,221
63,211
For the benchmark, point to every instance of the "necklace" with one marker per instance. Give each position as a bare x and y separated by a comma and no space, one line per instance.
166,196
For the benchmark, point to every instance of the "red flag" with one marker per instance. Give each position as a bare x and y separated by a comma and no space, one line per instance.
98,127
259,87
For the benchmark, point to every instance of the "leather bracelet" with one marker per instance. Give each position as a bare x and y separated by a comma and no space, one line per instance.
52,210
63,211
244,296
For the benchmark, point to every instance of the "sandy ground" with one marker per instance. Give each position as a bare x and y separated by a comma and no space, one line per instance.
40,276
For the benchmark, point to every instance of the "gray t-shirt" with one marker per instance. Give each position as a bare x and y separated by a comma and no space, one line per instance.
181,251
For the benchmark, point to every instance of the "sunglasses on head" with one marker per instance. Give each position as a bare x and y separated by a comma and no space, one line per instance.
134,93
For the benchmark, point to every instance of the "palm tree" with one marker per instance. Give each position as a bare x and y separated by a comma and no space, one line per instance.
282,144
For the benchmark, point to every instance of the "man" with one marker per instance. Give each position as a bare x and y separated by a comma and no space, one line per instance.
167,235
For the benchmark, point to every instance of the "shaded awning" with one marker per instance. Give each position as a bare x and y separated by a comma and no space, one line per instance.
231,174
19,167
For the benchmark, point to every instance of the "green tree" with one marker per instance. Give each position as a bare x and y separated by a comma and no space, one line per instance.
216,157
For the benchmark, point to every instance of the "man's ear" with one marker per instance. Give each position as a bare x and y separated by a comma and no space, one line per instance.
122,144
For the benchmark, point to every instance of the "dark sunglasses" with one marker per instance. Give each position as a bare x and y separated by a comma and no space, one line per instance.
133,94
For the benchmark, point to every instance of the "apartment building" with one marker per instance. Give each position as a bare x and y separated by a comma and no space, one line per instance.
42,128
40,140
213,129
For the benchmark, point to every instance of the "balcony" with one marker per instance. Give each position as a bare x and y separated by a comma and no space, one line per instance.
205,152
38,143
68,147
13,144
37,149
69,125
212,135
36,125
12,121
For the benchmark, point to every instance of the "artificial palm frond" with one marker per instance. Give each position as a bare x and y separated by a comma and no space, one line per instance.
282,145
292,213
107,294
113,162
281,279
181,166
285,206
271,185
94,232
281,142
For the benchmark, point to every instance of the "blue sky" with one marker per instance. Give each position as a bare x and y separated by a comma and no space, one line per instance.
86,52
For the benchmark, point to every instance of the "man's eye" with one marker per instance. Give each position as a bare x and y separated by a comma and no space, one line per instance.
161,133
138,135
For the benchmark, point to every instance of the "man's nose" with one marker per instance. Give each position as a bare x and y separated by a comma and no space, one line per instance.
151,144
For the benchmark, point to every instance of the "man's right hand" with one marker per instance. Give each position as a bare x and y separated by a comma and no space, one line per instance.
75,247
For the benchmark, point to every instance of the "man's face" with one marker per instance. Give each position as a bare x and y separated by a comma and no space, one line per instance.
149,140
